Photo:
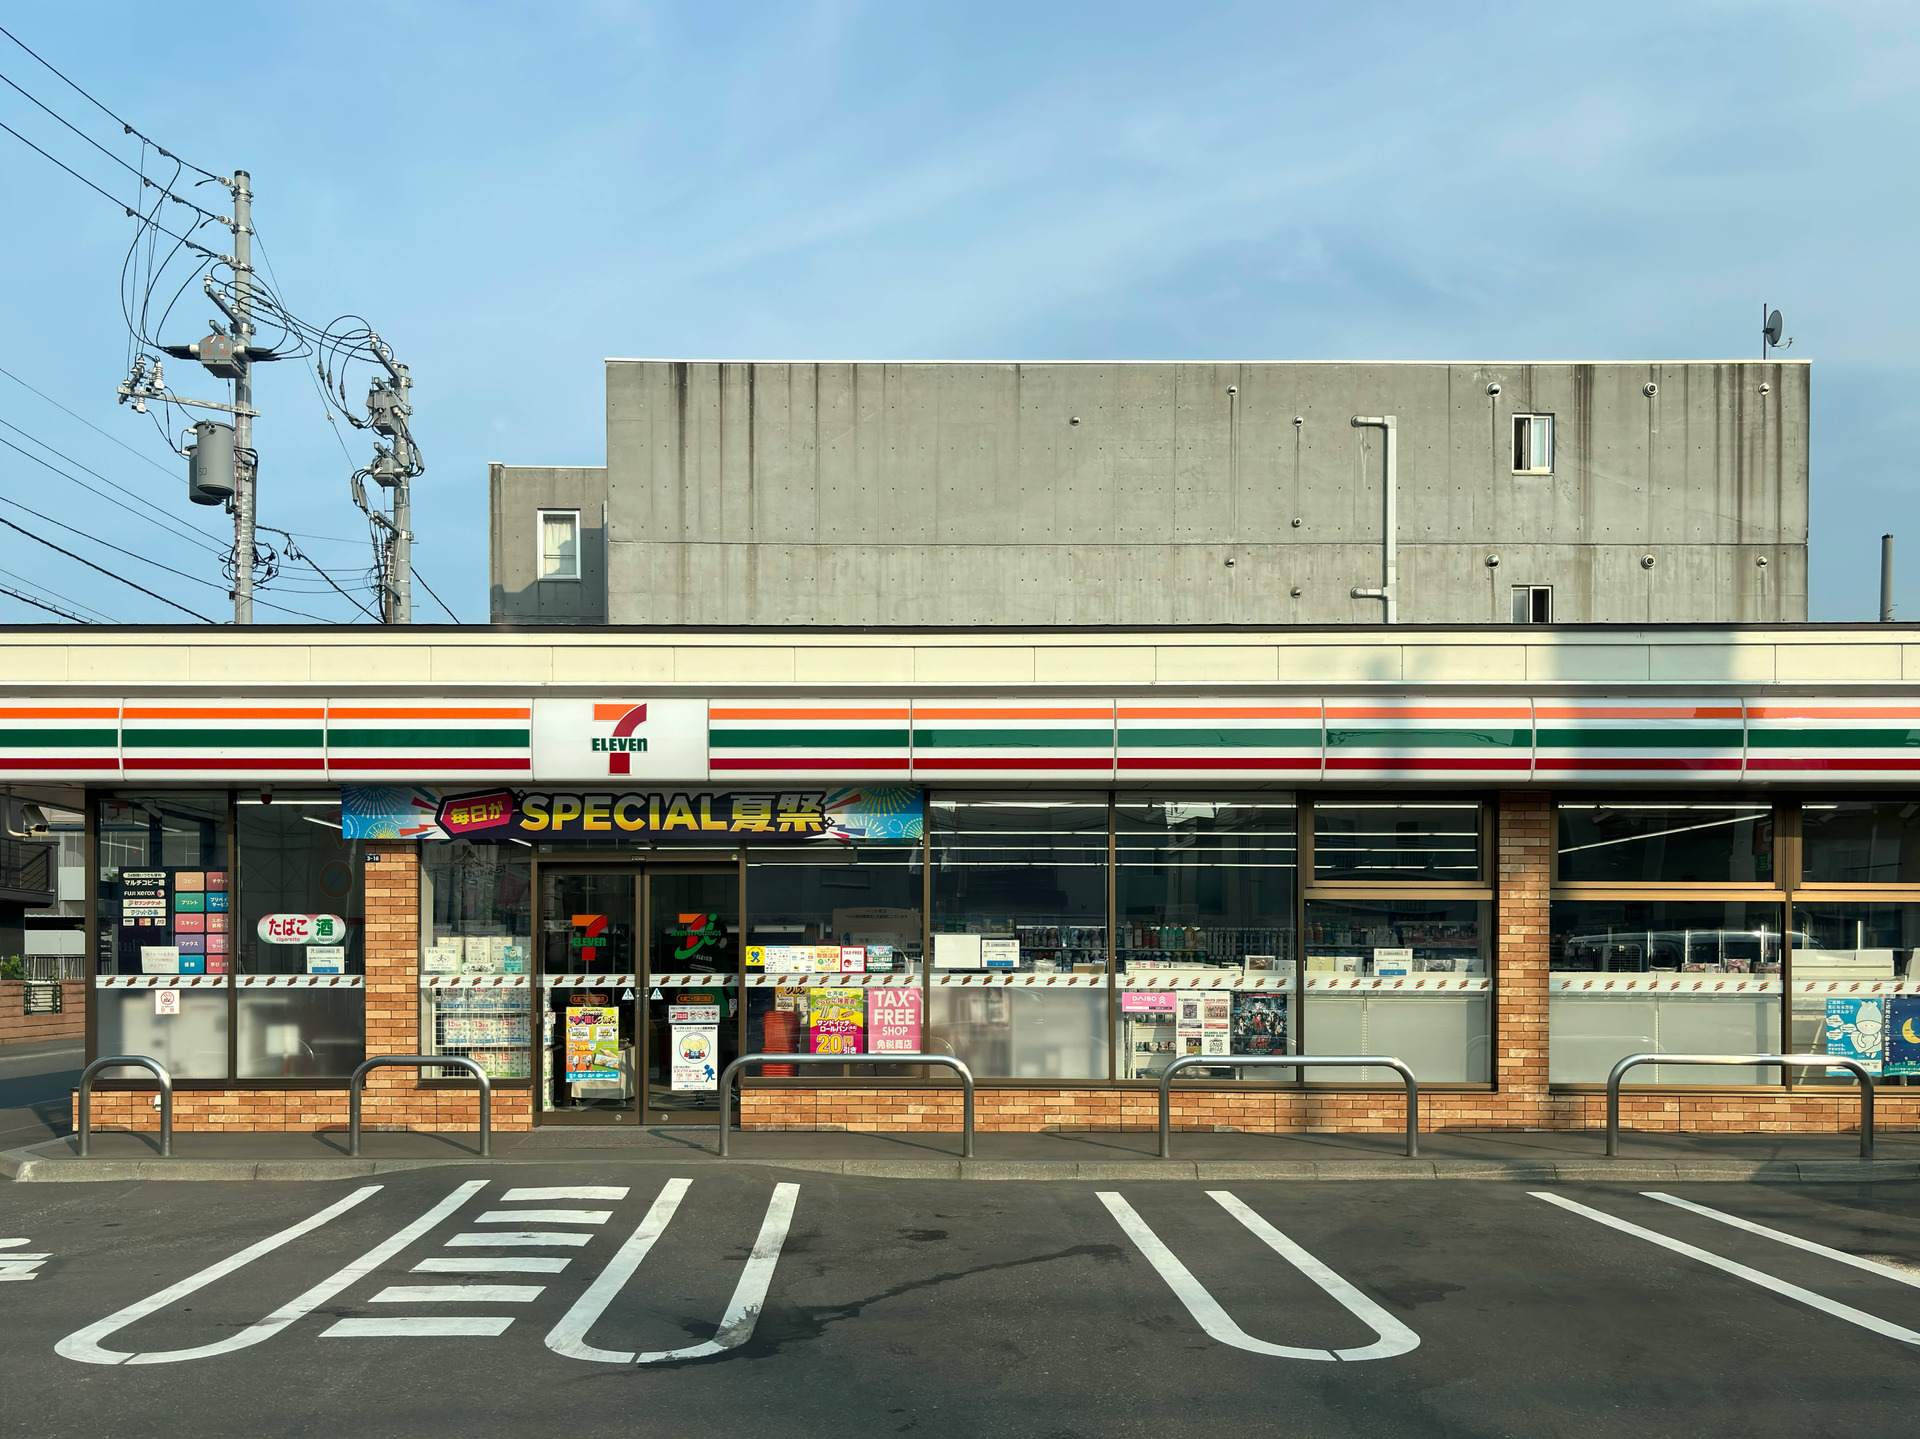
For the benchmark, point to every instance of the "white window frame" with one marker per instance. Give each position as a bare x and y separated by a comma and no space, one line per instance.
1534,420
1532,591
540,544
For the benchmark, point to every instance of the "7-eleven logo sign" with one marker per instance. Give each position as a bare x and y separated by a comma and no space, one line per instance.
590,932
623,742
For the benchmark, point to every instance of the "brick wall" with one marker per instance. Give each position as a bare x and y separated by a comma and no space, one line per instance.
1523,857
18,1028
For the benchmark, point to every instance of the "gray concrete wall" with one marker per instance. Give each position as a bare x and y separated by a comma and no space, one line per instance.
1163,493
516,494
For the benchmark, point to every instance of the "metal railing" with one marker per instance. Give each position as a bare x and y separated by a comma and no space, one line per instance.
27,870
419,1061
945,1060
1784,1061
1290,1061
113,1061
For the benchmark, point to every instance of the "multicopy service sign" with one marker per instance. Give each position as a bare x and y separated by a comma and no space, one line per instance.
631,739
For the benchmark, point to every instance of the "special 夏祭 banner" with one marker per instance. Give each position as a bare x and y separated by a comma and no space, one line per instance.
847,814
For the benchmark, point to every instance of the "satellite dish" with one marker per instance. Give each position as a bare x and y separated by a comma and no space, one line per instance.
1774,328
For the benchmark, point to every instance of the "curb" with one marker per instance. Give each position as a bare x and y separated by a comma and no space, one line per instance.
24,1166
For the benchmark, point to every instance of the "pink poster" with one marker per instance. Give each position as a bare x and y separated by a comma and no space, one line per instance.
893,1021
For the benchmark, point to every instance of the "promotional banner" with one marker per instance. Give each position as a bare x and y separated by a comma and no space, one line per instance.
1857,1029
1260,1024
593,1044
847,814
1903,1035
893,1021
836,1021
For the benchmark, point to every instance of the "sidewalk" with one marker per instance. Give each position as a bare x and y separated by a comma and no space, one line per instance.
1513,1155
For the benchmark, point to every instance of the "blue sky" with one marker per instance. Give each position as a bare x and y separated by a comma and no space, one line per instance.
512,193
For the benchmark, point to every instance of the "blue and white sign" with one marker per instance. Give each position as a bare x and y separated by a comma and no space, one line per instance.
1856,1028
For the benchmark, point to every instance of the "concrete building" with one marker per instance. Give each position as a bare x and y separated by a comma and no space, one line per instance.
1168,494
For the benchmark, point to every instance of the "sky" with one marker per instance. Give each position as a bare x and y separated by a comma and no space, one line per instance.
512,193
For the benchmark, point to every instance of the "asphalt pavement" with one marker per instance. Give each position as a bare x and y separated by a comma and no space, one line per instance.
36,1086
608,1297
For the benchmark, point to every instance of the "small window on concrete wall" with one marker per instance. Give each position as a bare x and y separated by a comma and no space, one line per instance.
559,544
1533,604
1533,444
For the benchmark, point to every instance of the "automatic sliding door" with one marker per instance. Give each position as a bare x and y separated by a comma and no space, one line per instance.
589,932
692,991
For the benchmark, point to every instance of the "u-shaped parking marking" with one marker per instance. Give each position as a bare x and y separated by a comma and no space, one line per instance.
84,1345
1394,1338
569,1336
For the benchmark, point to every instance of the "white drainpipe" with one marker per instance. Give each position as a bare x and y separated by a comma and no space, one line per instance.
1390,580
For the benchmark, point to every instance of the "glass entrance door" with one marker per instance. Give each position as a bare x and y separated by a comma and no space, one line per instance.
589,1039
692,1003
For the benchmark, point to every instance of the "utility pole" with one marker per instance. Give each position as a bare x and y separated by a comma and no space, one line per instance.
395,465
246,460
1886,579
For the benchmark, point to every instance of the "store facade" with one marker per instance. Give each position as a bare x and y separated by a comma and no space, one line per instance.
603,891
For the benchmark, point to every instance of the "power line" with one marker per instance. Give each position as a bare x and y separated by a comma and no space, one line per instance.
102,433
41,539
117,201
130,554
47,589
436,598
294,552
102,108
174,526
39,605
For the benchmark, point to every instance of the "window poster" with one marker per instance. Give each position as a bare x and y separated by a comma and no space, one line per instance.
1903,1035
836,1021
1856,1029
695,1049
893,1021
1260,1024
593,1044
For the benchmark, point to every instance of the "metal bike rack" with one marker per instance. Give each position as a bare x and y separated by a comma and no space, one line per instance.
1785,1061
1291,1061
420,1061
112,1061
947,1060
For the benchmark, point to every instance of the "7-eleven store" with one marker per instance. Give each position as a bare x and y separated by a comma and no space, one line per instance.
603,862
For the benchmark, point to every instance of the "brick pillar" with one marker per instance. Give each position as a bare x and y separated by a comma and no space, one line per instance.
1524,855
393,964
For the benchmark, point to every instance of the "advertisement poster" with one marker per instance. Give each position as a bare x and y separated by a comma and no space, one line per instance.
1903,1034
836,1021
1203,1023
1857,1029
1146,1002
593,1044
1260,1024
696,1052
893,1021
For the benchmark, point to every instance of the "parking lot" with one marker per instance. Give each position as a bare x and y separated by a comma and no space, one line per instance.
787,1303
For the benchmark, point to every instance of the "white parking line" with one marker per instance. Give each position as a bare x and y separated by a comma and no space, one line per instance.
459,1294
1394,1337
505,1237
1741,1271
584,1191
568,1337
545,1216
494,1264
83,1345
1839,1256
478,1326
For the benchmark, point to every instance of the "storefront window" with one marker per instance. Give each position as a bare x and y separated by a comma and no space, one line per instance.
1402,977
1632,977
300,940
1358,841
1655,842
164,931
858,920
1854,981
1204,889
476,907
1019,894
1860,841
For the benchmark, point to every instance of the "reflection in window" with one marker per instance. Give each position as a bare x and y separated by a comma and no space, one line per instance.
1361,841
1020,886
1694,976
1837,946
1861,841
1711,842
